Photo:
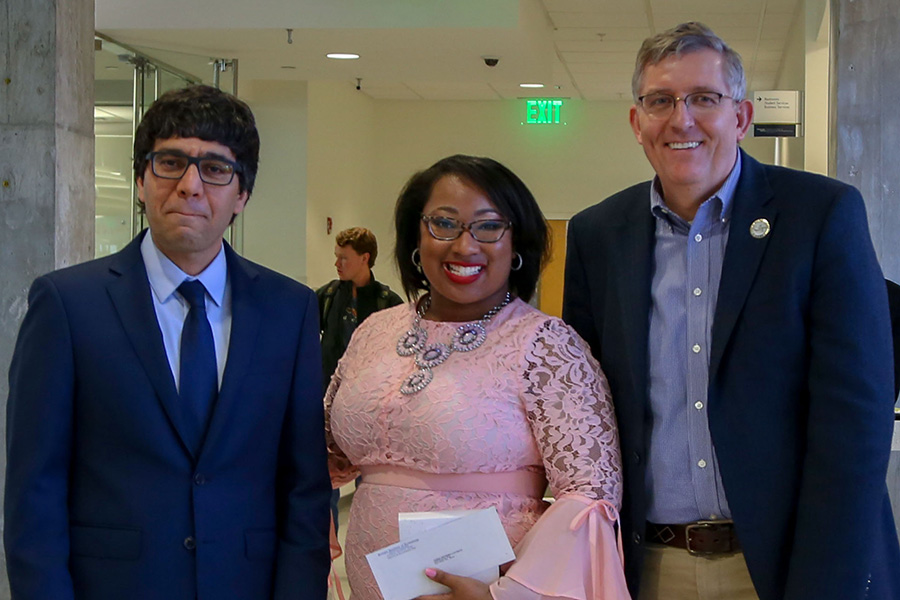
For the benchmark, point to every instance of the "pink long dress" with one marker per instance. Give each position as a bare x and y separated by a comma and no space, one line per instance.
531,397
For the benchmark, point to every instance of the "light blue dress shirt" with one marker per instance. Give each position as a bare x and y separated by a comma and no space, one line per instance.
683,477
171,309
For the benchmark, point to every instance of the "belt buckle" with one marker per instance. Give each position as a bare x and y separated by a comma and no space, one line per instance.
702,525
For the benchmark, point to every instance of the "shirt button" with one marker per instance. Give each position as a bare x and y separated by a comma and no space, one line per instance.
701,463
637,538
200,479
696,348
698,238
698,405
697,291
189,543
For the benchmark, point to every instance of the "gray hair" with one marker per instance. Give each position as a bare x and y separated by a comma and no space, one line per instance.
683,39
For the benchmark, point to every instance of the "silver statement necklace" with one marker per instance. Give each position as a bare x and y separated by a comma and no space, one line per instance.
467,337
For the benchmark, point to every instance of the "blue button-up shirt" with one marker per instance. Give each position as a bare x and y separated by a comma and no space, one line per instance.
683,477
171,309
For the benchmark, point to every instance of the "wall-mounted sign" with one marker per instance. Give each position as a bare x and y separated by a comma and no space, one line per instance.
776,113
765,130
544,111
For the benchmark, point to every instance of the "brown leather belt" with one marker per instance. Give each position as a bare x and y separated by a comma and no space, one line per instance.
701,537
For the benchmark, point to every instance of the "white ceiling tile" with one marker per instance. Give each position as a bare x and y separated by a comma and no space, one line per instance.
713,20
628,47
389,91
607,34
779,23
782,6
616,70
699,8
453,91
769,55
604,20
596,40
600,58
767,65
593,6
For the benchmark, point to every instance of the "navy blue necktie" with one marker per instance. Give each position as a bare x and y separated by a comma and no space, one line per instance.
199,376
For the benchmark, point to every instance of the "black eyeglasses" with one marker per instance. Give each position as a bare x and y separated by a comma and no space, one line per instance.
448,229
173,165
698,103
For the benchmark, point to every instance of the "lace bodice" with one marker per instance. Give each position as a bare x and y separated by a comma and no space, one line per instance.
531,397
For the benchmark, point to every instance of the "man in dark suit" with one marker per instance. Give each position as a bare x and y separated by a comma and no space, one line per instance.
740,315
165,426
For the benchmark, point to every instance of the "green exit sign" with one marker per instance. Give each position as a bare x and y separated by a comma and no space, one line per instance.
544,112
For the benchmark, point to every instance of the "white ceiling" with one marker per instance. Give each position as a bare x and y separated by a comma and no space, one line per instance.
433,49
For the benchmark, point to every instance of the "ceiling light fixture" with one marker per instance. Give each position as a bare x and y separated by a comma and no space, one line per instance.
342,55
531,85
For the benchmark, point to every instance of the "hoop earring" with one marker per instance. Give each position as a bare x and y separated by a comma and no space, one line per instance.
518,266
416,259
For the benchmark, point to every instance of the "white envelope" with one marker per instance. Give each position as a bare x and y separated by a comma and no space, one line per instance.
411,524
464,546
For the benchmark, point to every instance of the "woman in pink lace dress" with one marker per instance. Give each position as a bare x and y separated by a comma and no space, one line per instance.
470,398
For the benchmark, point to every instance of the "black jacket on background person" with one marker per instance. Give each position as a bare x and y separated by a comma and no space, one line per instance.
334,298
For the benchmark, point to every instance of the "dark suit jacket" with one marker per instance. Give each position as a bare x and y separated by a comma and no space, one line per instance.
800,399
105,501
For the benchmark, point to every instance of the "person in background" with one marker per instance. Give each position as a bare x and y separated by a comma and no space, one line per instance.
740,314
469,398
345,302
164,421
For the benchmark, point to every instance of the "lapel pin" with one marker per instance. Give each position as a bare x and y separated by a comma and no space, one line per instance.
760,228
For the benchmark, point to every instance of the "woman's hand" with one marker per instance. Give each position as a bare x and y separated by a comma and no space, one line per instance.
461,588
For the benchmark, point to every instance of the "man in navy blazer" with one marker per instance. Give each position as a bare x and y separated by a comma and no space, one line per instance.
740,315
118,484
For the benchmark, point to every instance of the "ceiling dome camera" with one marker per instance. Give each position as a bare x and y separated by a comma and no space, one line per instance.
491,61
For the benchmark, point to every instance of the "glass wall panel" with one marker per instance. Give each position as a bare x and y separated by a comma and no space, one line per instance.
126,83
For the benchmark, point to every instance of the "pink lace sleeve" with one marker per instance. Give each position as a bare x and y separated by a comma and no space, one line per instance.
572,550
571,414
339,466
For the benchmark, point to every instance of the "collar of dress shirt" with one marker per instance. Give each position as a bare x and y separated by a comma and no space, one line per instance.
725,194
165,276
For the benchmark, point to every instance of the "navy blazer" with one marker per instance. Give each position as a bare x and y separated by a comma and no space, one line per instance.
800,397
105,501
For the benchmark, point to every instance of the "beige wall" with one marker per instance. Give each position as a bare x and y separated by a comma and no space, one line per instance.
792,77
342,177
817,86
275,219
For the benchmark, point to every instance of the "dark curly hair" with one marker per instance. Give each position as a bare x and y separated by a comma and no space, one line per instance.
530,234
203,112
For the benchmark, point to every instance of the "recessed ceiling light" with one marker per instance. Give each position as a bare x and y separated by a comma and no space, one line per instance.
531,85
342,55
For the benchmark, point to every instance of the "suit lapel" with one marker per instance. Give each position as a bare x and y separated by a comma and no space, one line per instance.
634,246
743,253
245,321
130,295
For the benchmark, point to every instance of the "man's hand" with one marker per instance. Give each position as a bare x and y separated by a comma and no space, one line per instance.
461,588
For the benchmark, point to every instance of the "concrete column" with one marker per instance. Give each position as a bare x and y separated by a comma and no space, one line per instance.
866,72
46,156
